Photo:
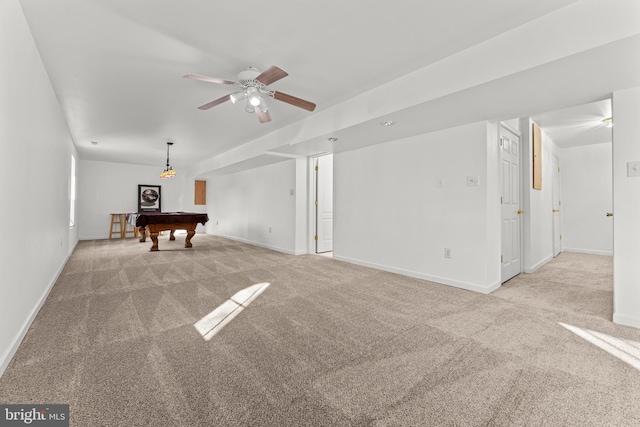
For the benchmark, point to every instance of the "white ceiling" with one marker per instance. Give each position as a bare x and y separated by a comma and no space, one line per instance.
117,66
579,125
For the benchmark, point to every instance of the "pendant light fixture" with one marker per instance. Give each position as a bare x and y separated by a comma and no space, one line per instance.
168,172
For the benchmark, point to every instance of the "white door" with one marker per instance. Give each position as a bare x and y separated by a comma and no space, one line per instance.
324,203
510,199
557,219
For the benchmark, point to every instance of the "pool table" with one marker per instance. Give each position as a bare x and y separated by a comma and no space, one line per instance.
155,222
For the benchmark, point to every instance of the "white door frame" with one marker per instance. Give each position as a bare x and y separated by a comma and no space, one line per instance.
556,194
311,246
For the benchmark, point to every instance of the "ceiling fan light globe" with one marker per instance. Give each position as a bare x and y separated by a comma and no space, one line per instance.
250,108
255,100
237,97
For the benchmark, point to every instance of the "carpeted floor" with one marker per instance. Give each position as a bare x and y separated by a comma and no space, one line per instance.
326,344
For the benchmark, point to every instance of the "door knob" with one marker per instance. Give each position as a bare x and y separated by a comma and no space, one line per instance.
520,211
609,213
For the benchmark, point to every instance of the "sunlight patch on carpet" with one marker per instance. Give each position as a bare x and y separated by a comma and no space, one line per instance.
213,322
626,350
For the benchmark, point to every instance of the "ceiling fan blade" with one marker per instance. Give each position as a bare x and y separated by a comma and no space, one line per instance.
264,117
209,79
214,103
270,75
298,102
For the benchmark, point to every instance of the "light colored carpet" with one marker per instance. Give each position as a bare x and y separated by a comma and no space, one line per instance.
326,344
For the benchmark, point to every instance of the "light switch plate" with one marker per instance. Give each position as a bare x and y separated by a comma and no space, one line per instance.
473,181
439,182
633,168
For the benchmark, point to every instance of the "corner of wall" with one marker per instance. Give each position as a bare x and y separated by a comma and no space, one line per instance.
626,206
492,189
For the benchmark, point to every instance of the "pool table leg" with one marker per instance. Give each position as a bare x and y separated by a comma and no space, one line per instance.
171,236
187,240
154,239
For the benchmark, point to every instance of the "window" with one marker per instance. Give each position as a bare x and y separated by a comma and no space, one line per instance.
72,193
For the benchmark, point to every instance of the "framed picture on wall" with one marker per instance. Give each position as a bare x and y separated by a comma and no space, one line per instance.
149,198
537,158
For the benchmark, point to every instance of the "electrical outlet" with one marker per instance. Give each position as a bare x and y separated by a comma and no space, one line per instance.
269,229
291,192
447,252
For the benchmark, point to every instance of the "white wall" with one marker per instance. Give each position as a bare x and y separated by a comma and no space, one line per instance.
587,195
36,150
537,204
246,205
106,188
390,214
626,208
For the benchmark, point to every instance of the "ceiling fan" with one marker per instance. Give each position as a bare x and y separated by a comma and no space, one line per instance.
253,87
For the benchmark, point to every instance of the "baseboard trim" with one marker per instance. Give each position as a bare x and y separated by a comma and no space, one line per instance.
11,351
626,320
588,251
262,245
539,264
431,278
